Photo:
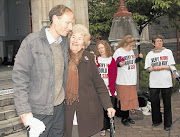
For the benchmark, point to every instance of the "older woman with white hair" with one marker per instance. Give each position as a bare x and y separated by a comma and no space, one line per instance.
86,93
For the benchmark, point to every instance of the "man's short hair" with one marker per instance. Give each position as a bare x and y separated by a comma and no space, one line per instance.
58,10
156,37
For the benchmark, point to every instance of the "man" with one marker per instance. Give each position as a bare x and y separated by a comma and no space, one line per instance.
39,75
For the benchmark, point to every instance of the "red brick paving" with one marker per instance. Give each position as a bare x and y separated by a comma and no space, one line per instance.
143,128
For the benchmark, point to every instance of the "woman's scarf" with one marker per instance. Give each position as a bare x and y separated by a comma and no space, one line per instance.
158,50
72,85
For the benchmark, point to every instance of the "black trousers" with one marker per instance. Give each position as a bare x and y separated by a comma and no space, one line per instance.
106,118
155,105
54,123
125,114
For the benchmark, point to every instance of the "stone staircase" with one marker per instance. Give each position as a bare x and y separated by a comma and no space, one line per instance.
9,121
5,77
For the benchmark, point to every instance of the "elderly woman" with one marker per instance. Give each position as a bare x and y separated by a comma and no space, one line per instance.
158,62
86,93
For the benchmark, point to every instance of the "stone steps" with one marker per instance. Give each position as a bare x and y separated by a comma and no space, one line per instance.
10,126
6,84
9,121
7,112
6,100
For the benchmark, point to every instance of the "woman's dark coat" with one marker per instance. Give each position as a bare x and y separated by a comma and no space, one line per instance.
93,96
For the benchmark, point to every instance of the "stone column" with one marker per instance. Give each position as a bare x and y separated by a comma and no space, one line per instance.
145,34
81,12
36,15
2,18
40,10
80,8
1,51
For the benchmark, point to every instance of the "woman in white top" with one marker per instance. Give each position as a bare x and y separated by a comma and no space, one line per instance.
126,77
108,71
158,62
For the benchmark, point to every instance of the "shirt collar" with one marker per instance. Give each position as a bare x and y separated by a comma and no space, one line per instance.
51,39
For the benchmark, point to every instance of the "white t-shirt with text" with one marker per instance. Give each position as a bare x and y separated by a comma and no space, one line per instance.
162,78
126,75
103,70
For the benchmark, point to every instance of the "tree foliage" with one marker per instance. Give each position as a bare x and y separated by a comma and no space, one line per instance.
144,12
101,16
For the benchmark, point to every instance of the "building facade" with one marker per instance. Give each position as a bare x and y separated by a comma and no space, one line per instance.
170,36
18,18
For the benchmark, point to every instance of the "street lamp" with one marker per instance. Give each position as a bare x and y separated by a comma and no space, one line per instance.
122,25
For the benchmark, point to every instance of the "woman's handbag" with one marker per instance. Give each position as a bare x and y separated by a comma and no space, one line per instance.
143,97
135,114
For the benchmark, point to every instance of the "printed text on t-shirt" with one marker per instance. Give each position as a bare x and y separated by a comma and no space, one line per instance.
129,60
103,70
159,61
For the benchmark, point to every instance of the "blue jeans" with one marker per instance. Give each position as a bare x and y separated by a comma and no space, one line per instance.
155,104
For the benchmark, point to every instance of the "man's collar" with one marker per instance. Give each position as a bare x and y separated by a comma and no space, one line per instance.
50,38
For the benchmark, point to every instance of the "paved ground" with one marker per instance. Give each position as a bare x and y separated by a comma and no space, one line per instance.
142,128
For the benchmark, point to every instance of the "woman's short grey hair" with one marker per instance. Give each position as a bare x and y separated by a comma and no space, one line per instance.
84,31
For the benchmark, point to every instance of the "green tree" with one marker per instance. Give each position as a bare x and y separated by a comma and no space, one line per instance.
101,16
148,11
144,12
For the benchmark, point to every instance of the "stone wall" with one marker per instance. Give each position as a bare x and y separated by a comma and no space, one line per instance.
146,47
40,10
168,33
163,28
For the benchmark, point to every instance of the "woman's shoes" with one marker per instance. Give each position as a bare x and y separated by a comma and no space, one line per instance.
126,122
103,133
109,130
167,128
130,120
156,124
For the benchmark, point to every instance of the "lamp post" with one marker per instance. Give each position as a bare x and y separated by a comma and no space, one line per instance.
122,25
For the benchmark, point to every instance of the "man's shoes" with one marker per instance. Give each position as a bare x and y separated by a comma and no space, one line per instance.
130,120
156,124
125,122
167,128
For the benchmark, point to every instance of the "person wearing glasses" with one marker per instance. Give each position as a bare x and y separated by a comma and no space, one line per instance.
157,63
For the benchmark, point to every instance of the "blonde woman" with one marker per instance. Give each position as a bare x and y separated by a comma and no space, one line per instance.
126,77
86,93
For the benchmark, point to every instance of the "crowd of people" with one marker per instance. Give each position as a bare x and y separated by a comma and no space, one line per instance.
61,89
